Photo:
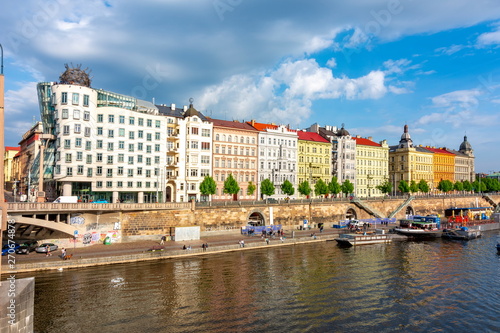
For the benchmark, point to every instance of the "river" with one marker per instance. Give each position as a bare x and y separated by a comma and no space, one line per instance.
426,286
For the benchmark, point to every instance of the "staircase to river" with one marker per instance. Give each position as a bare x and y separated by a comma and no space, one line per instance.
403,205
367,208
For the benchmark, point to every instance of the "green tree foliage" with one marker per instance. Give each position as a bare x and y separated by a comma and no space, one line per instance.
492,185
287,188
467,186
231,185
423,186
445,186
458,186
334,186
403,186
414,187
266,187
320,188
251,188
385,187
304,188
347,187
208,186
479,186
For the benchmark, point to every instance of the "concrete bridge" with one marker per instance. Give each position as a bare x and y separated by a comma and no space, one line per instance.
125,221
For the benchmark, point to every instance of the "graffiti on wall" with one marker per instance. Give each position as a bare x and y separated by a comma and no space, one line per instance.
77,220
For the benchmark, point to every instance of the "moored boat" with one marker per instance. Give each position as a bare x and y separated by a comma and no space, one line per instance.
418,229
463,233
362,239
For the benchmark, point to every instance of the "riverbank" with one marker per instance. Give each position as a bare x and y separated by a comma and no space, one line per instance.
117,253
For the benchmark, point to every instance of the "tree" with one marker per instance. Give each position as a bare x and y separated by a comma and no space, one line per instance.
445,185
287,188
334,186
385,187
467,186
414,187
320,188
423,186
459,186
479,186
347,187
251,188
231,186
266,187
403,186
304,188
208,186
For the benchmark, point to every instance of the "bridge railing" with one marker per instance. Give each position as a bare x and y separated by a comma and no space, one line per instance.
52,206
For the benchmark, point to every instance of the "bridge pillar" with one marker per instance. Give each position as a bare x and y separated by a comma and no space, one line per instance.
66,188
140,197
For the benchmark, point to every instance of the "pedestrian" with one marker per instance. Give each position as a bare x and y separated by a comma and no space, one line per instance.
184,247
48,251
281,239
242,243
203,247
267,241
63,253
206,246
163,239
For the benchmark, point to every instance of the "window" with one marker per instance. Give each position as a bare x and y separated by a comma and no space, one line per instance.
109,172
78,128
148,160
121,144
100,118
64,98
66,129
67,143
131,120
206,146
99,144
149,123
86,115
88,145
140,134
139,184
121,158
79,170
89,159
148,173
205,159
99,157
148,149
131,135
149,137
68,158
85,100
75,98
157,123
157,147
98,184
131,160
194,145
157,159
194,130
139,171
157,136
109,184
121,119
140,146
130,173
119,184
99,130
76,114
79,156
205,132
139,158
69,171
111,133
98,171
65,113
111,118
89,172
120,171
87,131
130,147
121,132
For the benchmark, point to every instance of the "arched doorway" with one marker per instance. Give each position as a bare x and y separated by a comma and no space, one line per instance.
351,214
256,219
409,211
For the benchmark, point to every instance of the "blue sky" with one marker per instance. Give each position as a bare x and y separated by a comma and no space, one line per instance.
373,65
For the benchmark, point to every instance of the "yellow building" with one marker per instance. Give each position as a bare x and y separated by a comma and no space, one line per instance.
314,157
371,166
443,165
410,163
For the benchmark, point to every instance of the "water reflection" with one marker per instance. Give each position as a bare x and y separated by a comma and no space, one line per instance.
415,286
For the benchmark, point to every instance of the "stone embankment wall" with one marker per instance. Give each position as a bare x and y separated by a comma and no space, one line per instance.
136,225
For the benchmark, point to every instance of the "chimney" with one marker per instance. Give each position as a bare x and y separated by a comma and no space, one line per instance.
253,122
185,108
370,138
172,107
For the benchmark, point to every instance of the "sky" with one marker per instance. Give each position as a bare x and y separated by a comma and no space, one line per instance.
372,65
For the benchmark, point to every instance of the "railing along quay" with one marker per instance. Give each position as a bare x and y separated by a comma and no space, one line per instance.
14,207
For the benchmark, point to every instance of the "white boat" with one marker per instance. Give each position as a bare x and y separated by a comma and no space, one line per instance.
362,239
418,229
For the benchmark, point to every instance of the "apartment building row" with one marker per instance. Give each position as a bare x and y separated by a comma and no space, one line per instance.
101,145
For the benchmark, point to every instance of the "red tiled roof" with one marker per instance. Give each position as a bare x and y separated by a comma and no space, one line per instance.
311,136
261,126
366,142
232,124
438,150
12,148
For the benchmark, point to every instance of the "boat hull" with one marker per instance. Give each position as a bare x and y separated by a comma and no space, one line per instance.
419,233
461,234
348,240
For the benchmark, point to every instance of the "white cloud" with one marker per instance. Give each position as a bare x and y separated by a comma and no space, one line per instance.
459,98
449,50
21,100
489,38
332,63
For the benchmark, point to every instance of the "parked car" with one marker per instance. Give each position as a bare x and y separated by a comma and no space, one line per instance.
43,248
358,224
27,247
11,247
101,201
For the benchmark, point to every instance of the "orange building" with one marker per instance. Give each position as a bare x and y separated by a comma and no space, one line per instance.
443,165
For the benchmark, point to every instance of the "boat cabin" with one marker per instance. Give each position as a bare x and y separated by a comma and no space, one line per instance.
412,224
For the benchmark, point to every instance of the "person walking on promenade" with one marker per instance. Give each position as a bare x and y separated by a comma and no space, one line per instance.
48,254
206,246
242,243
163,239
63,253
203,247
267,241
